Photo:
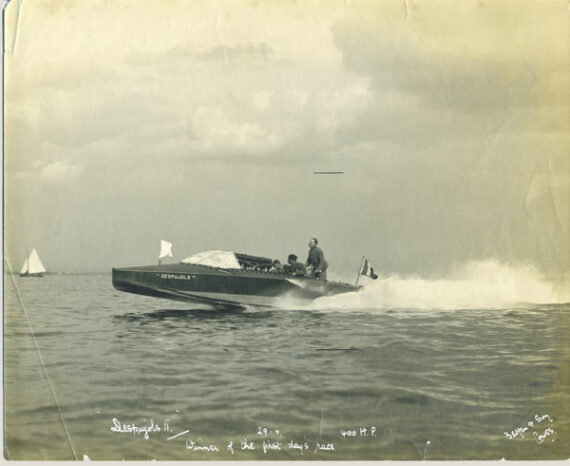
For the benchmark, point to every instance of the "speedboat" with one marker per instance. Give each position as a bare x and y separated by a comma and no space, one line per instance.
227,279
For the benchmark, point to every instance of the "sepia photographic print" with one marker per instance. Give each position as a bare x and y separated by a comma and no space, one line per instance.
302,230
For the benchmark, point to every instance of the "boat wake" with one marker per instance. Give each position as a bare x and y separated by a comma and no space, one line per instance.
485,284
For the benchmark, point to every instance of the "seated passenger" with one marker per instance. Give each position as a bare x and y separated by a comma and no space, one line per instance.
295,268
276,266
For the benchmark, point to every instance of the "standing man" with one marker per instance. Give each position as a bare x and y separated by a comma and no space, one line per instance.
316,263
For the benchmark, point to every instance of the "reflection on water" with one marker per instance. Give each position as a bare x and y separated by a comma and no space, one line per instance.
365,384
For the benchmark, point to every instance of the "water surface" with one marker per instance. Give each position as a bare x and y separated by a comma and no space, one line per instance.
424,384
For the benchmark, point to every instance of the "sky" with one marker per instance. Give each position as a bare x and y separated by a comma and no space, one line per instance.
202,122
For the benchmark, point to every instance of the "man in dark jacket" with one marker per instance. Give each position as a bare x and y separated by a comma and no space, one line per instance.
316,263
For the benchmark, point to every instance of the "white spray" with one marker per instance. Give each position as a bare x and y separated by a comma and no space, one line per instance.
485,284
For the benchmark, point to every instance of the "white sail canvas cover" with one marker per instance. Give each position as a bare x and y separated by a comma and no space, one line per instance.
33,264
215,258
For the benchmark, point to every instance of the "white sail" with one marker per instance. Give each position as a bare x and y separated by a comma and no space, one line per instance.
34,263
24,268
165,249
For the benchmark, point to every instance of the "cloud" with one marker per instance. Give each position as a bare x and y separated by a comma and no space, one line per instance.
191,116
456,71
58,171
239,52
474,58
215,132
261,100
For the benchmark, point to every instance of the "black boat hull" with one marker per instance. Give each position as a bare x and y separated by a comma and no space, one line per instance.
202,284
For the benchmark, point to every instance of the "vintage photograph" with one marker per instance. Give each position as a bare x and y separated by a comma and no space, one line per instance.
267,230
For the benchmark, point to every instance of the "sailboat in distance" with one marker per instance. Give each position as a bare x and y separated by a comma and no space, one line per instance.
33,266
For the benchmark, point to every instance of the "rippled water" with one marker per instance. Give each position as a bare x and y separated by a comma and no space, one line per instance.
434,384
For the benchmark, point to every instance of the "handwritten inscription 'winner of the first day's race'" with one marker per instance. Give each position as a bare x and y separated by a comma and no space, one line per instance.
267,441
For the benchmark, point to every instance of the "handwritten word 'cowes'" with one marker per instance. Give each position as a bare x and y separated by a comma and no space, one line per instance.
531,424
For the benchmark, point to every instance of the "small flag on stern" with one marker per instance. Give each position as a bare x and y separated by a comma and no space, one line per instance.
368,269
165,249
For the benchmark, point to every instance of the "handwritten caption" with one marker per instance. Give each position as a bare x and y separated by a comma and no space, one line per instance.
538,425
143,430
265,439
